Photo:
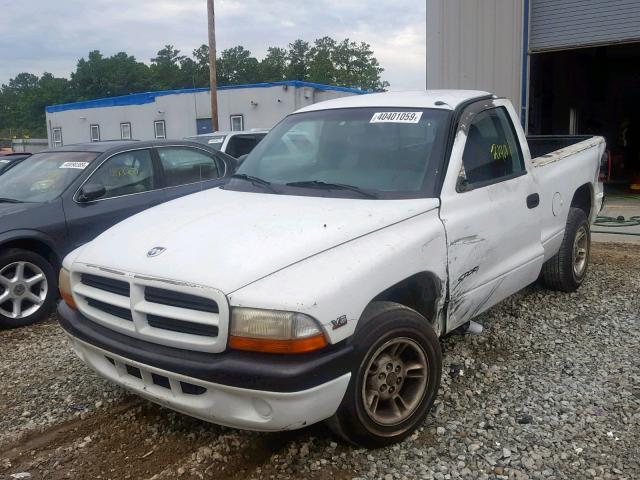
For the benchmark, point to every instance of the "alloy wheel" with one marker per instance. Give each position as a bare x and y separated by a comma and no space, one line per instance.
396,381
23,289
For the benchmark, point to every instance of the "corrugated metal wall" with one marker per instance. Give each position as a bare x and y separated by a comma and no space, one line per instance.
575,23
475,44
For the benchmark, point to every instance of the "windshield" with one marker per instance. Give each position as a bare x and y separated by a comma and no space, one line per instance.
214,141
392,153
43,176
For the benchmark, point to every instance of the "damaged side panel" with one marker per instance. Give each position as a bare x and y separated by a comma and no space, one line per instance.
493,238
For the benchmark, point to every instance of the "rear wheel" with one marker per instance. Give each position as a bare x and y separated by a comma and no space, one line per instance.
567,269
27,288
396,379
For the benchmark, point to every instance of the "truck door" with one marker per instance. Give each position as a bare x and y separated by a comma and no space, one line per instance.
489,210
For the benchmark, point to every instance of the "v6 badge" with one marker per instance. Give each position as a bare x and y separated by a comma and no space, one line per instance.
341,321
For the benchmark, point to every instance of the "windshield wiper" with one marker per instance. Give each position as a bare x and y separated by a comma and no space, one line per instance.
254,180
9,200
331,186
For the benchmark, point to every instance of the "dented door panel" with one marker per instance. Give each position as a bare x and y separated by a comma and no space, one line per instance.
493,237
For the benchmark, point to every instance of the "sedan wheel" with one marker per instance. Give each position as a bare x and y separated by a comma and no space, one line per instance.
28,287
23,289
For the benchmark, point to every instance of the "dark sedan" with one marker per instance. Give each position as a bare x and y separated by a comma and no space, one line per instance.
59,199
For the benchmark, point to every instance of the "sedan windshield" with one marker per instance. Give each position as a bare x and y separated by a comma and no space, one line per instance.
381,152
43,176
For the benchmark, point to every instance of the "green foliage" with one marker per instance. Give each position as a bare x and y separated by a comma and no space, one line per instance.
298,61
236,66
273,67
24,98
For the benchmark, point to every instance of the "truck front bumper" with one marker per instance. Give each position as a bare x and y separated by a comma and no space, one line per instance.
261,392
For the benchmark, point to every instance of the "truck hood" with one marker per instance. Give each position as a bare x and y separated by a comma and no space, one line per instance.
226,239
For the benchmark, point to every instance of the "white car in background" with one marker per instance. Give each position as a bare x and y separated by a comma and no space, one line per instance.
236,143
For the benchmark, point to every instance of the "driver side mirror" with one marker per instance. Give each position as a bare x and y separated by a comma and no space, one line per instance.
91,191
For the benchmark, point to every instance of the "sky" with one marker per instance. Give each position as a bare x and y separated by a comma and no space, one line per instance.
39,36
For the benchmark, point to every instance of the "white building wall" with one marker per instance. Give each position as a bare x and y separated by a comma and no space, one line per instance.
261,107
476,44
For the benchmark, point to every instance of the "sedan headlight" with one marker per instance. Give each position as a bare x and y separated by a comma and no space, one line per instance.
274,331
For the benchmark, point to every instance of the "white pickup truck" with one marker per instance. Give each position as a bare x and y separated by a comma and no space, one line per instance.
315,283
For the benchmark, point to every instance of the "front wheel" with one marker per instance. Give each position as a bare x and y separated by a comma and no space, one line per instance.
396,379
27,288
567,269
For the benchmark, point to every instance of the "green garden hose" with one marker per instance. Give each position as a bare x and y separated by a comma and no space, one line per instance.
616,222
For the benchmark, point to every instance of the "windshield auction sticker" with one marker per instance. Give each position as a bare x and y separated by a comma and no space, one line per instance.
396,117
78,165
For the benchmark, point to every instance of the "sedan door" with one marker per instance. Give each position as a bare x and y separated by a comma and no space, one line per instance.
188,170
124,184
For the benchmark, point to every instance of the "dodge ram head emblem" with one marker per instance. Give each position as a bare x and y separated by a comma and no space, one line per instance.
155,251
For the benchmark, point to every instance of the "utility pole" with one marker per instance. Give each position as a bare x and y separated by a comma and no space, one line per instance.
212,65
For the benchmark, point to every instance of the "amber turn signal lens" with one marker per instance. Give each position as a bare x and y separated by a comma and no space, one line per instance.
267,345
64,285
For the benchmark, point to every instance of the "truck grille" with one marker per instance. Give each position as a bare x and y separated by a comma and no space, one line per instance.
165,312
107,284
181,300
182,327
119,312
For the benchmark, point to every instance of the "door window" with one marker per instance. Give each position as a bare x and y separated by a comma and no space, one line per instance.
185,165
125,173
492,152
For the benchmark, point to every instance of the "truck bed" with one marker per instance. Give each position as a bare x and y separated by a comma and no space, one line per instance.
551,148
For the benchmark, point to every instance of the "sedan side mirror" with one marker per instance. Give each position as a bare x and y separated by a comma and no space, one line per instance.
91,191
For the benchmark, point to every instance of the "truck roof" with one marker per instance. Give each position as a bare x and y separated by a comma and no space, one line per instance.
442,99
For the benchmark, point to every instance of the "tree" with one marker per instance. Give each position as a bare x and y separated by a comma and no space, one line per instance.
236,66
201,58
355,66
119,74
273,67
23,101
165,69
24,98
297,68
320,61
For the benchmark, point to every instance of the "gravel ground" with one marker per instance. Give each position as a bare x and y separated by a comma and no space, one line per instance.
549,390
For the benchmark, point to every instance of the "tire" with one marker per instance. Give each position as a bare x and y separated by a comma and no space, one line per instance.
567,269
27,280
387,328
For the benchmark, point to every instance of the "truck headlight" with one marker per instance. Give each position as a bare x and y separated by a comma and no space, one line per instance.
274,331
64,285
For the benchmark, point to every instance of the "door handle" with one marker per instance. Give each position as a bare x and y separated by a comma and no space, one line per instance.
533,200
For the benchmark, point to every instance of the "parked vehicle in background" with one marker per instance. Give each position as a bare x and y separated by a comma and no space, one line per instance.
56,200
7,160
315,283
236,143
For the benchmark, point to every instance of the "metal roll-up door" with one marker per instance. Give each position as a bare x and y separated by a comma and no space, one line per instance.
563,24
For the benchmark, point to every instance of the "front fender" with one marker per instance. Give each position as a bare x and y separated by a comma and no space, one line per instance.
29,234
345,279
